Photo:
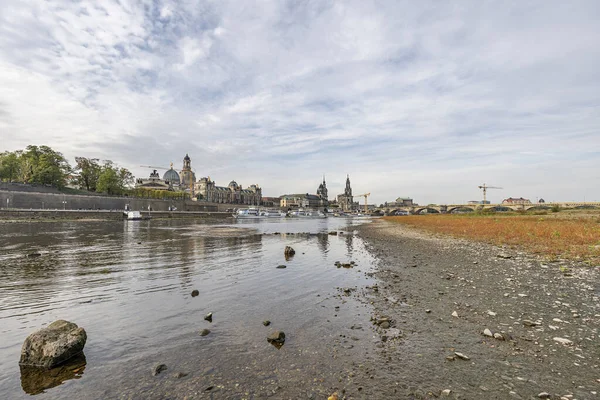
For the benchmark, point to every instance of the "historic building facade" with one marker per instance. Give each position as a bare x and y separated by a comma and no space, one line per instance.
188,177
305,200
154,182
231,194
345,200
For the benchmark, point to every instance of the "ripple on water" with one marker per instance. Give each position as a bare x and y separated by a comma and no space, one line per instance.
134,299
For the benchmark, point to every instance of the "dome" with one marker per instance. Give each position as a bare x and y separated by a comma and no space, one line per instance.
233,183
172,177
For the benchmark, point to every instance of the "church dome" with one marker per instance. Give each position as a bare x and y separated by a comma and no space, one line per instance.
172,177
233,184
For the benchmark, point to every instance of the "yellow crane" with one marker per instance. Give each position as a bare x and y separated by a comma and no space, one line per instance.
485,188
365,195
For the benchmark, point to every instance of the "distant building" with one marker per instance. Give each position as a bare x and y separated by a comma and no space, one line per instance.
188,177
306,200
473,202
270,201
541,201
231,194
154,182
513,200
345,200
401,202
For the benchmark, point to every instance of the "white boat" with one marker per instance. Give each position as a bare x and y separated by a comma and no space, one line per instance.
133,215
254,213
307,214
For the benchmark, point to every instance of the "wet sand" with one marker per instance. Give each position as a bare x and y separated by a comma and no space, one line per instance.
531,306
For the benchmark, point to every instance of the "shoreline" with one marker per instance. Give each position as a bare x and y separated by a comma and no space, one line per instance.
39,215
442,293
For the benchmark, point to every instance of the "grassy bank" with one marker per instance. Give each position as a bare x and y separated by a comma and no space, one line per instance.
573,236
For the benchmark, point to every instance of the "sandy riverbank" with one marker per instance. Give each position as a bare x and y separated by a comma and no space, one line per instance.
532,305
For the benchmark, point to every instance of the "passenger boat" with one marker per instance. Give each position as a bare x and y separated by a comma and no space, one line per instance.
307,214
254,213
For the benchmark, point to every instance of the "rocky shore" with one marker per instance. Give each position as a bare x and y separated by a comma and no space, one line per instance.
477,321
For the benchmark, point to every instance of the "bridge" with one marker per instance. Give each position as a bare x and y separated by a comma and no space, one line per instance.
459,208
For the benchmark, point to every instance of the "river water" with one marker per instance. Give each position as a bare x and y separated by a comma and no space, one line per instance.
129,284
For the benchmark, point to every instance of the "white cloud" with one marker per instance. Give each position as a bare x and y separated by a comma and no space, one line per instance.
424,99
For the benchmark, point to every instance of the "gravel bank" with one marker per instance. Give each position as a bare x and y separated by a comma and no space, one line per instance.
441,294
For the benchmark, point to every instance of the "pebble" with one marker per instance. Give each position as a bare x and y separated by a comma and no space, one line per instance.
428,311
498,336
527,322
204,332
446,392
266,322
277,337
488,333
564,341
461,356
208,317
455,314
157,369
195,293
544,395
281,266
491,313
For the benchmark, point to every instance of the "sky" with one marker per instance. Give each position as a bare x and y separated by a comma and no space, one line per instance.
426,100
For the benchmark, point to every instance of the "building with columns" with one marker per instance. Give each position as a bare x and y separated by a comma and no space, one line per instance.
230,194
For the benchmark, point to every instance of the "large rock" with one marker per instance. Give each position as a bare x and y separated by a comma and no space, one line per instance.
51,346
288,251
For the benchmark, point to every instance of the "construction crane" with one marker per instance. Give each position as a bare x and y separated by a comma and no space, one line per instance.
485,188
151,167
365,195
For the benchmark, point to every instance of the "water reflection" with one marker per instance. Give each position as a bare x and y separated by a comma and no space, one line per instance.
129,284
36,380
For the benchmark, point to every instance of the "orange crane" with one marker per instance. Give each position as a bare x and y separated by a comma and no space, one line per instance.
365,195
485,188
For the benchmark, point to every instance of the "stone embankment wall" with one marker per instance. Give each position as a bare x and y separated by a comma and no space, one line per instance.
21,214
54,201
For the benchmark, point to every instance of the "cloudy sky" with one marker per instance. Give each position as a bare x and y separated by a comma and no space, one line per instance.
420,99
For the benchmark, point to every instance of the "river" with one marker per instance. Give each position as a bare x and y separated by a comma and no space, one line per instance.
129,284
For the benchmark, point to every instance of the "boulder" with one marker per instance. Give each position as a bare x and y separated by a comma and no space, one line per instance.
53,345
288,251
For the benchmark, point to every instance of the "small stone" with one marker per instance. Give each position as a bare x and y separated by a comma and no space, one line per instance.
428,311
334,396
461,356
277,337
157,369
455,314
33,255
450,358
504,255
384,325
488,333
527,322
204,332
446,392
281,266
544,395
208,317
564,341
498,336
266,322
195,293
180,375
491,313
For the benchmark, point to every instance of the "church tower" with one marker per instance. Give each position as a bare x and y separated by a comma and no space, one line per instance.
348,190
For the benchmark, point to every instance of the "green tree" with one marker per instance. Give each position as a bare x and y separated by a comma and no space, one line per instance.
45,166
88,171
10,166
108,181
113,180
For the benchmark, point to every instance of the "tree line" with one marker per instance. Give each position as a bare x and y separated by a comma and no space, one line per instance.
45,166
